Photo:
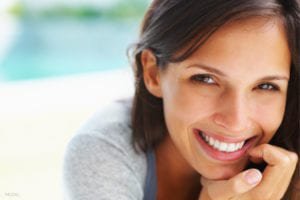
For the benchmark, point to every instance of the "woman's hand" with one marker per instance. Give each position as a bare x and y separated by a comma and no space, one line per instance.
251,184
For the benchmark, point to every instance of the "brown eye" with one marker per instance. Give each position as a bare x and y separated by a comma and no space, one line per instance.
268,86
203,78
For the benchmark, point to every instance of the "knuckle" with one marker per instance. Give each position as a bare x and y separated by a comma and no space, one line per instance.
293,157
265,148
290,158
285,160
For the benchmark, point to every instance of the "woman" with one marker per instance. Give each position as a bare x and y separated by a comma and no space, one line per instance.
215,115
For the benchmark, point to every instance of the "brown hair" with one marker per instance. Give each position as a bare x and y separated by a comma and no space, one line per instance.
171,25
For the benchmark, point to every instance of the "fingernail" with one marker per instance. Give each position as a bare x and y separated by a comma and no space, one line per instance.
253,176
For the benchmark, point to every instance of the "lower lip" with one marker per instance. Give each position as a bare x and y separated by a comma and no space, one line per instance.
223,156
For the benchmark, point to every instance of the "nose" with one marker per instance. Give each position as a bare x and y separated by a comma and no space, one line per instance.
233,113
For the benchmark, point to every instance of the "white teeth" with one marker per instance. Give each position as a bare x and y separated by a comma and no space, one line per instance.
211,141
217,144
231,147
206,138
222,146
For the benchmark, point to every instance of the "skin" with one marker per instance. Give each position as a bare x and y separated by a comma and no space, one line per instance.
238,102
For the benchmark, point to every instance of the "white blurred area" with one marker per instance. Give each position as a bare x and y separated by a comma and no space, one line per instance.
37,120
38,117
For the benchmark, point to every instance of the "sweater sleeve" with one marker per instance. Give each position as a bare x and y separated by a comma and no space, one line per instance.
96,168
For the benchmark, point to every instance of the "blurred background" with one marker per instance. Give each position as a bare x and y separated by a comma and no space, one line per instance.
60,61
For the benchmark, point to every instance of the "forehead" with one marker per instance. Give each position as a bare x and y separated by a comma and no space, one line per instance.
258,43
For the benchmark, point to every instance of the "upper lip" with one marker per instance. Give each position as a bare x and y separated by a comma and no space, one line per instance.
226,138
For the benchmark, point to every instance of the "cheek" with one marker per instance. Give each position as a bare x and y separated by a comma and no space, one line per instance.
269,116
187,104
182,108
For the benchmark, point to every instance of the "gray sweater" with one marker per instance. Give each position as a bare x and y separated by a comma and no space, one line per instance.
100,162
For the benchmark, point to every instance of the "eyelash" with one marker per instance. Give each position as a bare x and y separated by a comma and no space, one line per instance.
273,87
200,79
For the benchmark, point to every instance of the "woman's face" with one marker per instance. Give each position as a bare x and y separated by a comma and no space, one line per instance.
228,96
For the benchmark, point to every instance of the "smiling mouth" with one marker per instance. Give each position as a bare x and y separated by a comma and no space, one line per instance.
230,149
222,146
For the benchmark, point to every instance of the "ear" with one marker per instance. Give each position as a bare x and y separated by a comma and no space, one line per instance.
151,73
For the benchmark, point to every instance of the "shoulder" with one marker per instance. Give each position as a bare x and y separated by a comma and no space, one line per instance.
111,126
110,123
100,157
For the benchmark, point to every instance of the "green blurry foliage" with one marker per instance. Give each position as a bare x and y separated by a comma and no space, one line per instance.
17,9
123,9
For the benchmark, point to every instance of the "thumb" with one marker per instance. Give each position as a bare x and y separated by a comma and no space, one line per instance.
239,184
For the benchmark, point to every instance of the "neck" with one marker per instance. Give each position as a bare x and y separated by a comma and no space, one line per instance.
176,178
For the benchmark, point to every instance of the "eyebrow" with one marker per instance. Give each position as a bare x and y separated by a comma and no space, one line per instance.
207,68
269,78
218,72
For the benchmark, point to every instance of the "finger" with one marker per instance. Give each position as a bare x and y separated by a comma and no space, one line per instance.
287,177
278,173
270,154
237,185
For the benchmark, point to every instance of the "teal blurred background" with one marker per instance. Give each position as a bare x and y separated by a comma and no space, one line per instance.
60,61
62,38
